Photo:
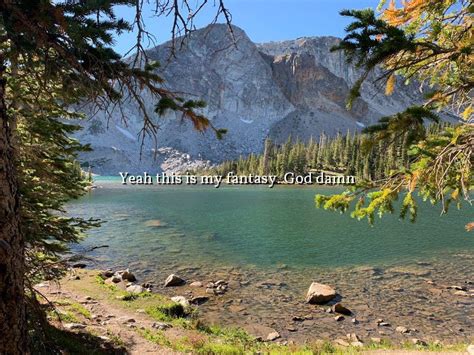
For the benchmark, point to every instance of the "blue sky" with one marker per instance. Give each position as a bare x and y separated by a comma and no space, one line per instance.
262,20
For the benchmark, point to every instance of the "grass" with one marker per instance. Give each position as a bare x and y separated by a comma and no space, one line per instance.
79,308
205,339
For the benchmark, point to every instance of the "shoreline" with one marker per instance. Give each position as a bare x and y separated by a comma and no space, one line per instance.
132,313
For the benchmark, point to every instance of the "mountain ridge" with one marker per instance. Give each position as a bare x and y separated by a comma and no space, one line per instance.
274,90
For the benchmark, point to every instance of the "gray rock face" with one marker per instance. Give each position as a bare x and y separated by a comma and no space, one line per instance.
280,89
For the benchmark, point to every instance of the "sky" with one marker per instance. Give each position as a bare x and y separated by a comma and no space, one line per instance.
262,20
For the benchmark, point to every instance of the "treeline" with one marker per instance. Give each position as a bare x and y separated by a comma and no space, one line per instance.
349,154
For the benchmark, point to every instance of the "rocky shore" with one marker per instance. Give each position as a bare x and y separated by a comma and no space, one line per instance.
349,308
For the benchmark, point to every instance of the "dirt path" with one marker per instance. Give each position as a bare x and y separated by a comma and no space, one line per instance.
108,321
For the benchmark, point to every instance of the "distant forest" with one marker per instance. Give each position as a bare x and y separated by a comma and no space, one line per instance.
349,154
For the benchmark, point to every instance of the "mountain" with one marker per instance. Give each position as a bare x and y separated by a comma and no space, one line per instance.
292,88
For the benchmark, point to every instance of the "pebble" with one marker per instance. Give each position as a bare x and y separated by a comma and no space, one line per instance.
402,330
161,326
273,336
419,342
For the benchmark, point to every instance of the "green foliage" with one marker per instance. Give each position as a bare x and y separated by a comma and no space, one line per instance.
49,174
166,311
431,42
368,157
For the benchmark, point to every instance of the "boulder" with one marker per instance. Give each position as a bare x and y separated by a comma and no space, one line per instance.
320,293
174,280
181,300
339,308
135,289
128,276
116,278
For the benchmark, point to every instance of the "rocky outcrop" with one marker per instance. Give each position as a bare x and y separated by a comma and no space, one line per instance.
280,89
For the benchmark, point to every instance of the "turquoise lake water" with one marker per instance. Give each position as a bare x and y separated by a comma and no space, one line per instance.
257,226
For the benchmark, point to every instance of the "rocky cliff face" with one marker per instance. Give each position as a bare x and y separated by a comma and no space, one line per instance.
280,89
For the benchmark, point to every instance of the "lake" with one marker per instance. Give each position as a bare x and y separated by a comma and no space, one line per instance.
274,242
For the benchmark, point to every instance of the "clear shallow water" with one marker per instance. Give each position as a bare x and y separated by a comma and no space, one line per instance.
257,226
270,244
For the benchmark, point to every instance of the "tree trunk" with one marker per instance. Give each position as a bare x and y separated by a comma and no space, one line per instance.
13,336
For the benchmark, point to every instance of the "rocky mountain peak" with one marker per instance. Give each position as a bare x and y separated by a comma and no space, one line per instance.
291,88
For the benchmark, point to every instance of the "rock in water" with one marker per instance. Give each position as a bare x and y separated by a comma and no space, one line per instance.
339,308
198,300
79,266
320,293
128,276
174,280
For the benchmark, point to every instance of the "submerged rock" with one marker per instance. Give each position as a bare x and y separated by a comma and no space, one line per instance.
174,280
198,300
79,266
339,308
320,293
128,276
154,223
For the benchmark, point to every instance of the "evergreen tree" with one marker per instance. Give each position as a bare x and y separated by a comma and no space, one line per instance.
431,42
